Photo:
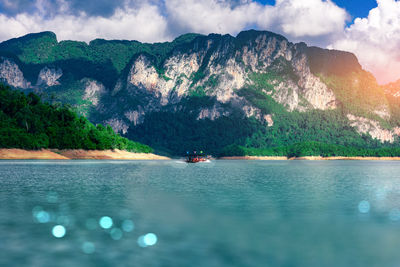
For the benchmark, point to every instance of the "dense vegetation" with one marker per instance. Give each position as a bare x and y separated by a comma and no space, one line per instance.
358,93
26,122
314,132
311,149
177,132
176,129
79,59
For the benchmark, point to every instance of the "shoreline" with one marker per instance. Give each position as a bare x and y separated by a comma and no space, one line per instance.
307,158
71,154
254,158
74,154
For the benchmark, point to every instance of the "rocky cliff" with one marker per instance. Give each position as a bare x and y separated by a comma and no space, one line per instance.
258,76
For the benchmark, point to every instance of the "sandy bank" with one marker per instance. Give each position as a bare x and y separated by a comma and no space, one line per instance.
107,154
76,154
308,158
29,154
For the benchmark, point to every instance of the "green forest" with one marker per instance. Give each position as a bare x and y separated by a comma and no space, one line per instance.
311,149
28,123
81,60
308,133
294,134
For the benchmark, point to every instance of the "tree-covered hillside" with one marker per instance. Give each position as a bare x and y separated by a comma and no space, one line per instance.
79,59
312,148
256,93
295,133
26,122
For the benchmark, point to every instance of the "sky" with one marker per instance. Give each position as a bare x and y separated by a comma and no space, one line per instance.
368,28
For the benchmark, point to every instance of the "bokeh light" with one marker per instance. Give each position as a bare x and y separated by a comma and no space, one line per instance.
88,247
43,216
105,222
364,206
36,210
116,234
128,226
59,231
146,240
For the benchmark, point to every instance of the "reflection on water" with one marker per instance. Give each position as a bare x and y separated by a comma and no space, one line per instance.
218,213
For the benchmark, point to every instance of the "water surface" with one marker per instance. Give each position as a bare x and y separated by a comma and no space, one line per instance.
222,213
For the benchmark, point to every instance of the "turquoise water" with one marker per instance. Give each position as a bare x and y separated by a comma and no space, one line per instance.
222,213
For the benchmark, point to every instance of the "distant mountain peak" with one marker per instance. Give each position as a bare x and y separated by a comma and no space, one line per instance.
253,34
33,36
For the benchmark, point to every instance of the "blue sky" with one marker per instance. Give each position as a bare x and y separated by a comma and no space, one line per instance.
368,28
356,8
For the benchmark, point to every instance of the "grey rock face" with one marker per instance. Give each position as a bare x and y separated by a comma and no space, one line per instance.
311,87
373,128
136,116
12,75
212,113
230,74
49,77
119,126
93,91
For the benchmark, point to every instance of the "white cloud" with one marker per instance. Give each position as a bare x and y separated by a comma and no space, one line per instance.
211,15
376,40
147,22
293,18
144,23
309,18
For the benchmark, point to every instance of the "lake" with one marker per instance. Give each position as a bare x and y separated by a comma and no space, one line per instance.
220,213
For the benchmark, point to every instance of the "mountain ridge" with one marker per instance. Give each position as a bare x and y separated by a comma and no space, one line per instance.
204,81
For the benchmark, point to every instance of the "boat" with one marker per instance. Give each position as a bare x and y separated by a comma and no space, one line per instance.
195,157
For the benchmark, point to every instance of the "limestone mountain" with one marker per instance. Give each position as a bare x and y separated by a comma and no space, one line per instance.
255,90
393,89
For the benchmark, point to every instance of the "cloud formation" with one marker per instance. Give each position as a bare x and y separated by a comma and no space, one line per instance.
306,18
160,20
376,40
296,19
90,7
144,23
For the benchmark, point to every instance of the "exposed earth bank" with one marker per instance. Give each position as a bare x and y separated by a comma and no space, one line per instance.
77,154
125,155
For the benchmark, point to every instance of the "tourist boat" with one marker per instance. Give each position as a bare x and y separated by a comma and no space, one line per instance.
196,157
